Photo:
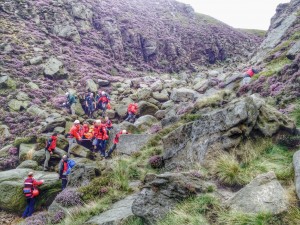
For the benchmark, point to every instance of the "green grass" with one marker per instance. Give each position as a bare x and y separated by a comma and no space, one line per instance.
194,211
191,117
260,33
274,67
229,171
133,221
296,115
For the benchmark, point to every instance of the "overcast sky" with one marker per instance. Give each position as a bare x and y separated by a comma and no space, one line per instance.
254,14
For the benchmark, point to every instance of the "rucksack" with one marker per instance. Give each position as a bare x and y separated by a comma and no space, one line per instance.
71,164
28,187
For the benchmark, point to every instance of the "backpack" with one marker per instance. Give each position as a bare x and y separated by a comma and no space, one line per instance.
28,187
71,164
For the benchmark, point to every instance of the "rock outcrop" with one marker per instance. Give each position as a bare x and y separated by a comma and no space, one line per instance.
162,192
222,129
263,194
131,143
12,181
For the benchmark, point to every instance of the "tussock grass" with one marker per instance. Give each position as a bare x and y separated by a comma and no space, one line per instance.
296,115
237,218
193,211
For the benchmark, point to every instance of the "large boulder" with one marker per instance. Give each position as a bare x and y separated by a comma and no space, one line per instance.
144,93
145,122
53,69
80,151
161,96
28,164
118,212
91,85
40,156
131,143
130,127
7,82
223,129
121,110
52,123
22,96
162,192
157,86
184,95
147,108
16,105
294,50
263,194
26,151
296,163
37,111
83,172
11,184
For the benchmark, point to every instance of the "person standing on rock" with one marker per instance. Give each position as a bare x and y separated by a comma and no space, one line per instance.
109,125
90,104
248,75
132,111
71,101
74,135
102,102
30,191
101,136
116,141
64,169
50,150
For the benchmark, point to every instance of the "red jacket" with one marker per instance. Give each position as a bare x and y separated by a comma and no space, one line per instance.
116,140
75,132
250,72
132,108
85,129
103,98
51,143
100,132
30,184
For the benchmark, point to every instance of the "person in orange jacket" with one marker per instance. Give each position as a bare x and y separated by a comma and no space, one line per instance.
101,136
74,135
50,149
132,111
30,191
103,100
116,141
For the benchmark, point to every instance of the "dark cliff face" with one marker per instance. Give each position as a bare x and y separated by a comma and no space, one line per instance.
107,37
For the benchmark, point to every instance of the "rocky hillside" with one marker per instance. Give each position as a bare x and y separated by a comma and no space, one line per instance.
203,150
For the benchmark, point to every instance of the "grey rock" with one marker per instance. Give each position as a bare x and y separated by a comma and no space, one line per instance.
144,93
144,122
121,110
160,114
40,156
59,130
169,120
128,126
157,86
82,173
67,31
294,50
103,83
33,85
11,184
168,104
52,66
22,96
91,85
80,11
220,130
36,60
16,105
28,164
80,151
263,194
26,151
147,108
7,82
131,143
37,111
162,192
183,95
161,96
119,212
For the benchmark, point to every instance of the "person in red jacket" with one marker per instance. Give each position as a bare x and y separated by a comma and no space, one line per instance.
101,136
103,100
116,141
50,149
248,75
30,190
74,135
132,111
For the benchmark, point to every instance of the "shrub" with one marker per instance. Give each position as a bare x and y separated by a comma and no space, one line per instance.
156,162
69,197
228,171
191,117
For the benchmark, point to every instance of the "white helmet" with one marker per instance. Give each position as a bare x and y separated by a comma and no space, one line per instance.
67,93
124,131
76,122
103,92
98,121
